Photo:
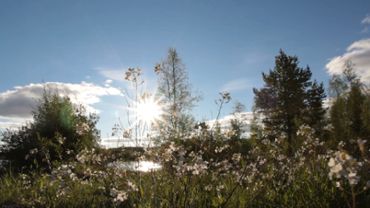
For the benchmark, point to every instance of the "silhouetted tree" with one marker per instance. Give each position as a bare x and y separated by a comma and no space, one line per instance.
287,99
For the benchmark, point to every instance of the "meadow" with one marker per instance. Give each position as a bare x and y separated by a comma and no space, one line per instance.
318,157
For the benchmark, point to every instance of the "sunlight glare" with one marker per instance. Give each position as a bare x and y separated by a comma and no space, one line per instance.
149,110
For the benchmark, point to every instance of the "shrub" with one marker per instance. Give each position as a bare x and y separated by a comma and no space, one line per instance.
59,131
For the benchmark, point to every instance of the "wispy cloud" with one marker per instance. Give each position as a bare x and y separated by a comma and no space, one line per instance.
366,20
359,54
366,23
17,104
256,57
108,82
236,85
112,73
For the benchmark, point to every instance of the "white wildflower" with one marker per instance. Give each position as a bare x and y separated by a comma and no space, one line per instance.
132,186
353,178
236,157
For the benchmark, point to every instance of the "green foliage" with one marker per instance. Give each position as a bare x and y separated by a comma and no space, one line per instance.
58,132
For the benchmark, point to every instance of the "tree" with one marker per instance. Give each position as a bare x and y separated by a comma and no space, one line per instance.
316,113
59,131
176,93
349,113
237,122
287,99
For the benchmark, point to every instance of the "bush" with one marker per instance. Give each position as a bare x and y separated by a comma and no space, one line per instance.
59,131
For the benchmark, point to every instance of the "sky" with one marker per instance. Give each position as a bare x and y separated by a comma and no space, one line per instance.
82,48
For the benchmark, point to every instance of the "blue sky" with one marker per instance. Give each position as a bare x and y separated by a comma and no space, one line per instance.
224,45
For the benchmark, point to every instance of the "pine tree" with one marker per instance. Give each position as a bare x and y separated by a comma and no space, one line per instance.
287,98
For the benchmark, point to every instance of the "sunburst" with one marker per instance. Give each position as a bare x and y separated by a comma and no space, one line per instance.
149,110
145,112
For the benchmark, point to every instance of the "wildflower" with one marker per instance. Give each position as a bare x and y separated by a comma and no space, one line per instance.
343,165
341,144
336,169
225,96
265,141
81,157
119,196
344,156
331,162
132,186
353,178
33,151
281,157
220,149
61,139
220,187
361,144
157,68
236,157
208,188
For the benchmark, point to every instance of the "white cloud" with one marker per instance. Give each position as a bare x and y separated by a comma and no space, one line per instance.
366,23
108,82
113,74
366,20
359,54
236,85
13,122
17,104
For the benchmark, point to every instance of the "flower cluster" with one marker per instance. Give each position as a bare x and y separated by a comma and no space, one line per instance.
342,165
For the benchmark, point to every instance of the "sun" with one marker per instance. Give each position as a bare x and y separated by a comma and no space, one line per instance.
145,114
148,110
